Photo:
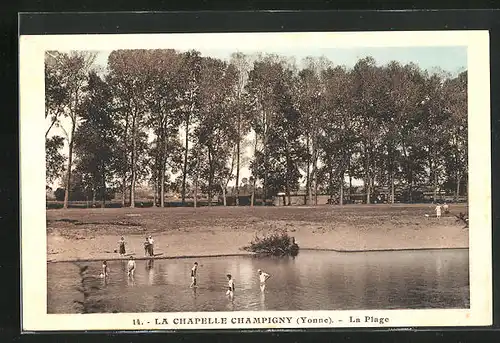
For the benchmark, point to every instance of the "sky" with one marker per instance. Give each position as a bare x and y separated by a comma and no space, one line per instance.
431,58
451,59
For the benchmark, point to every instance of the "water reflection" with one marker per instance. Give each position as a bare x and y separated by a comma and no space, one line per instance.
311,281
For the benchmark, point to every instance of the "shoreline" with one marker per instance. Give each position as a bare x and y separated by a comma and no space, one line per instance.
93,235
254,254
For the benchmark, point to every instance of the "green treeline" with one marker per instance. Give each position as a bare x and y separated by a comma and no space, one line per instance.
188,124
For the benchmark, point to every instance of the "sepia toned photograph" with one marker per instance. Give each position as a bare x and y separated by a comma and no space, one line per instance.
260,176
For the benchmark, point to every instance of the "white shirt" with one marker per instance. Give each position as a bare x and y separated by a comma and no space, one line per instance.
263,277
230,284
150,240
438,209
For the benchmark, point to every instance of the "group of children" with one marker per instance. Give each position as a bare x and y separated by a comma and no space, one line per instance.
230,281
440,208
148,246
131,266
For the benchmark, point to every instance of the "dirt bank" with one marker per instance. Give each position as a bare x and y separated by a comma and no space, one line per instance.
85,234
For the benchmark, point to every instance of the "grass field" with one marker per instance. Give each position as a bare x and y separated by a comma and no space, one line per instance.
74,234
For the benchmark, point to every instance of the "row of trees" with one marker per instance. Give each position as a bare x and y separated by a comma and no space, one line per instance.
156,114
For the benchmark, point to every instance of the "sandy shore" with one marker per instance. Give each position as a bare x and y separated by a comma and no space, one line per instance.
93,234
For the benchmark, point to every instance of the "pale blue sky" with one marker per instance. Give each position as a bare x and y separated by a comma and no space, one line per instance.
451,59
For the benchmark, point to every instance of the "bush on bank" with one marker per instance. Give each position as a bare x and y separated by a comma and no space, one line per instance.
277,243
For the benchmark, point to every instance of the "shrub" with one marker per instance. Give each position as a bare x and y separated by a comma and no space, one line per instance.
277,243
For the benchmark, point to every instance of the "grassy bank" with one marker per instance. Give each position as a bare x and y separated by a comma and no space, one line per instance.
82,234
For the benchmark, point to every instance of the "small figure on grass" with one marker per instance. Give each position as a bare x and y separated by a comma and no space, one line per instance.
194,271
438,211
446,208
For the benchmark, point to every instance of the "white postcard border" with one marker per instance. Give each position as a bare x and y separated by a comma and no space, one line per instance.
32,176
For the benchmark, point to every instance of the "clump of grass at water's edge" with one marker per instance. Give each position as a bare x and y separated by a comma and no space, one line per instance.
276,243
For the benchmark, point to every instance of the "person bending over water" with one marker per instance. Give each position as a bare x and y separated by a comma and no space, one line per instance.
193,275
230,286
131,267
263,278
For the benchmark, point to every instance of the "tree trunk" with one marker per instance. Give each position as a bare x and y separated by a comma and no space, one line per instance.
103,199
341,201
368,190
264,186
392,186
367,177
162,185
133,161
315,189
224,195
184,167
308,174
210,178
124,190
70,162
252,198
314,172
196,190
457,194
238,147
155,192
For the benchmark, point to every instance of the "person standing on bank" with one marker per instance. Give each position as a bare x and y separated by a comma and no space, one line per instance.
263,276
150,241
146,247
194,270
122,246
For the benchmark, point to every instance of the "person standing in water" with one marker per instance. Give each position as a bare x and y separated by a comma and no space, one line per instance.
193,275
263,278
438,211
105,270
122,246
131,266
230,286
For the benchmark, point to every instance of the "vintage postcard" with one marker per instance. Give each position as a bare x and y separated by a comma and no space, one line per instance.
255,180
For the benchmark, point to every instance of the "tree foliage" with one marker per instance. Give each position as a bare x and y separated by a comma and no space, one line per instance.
184,123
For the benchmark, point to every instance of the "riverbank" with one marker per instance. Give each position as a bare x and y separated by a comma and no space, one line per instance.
93,234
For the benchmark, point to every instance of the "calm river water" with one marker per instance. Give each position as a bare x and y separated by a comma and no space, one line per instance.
314,280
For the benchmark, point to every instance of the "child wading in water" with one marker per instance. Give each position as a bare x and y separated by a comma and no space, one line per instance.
105,270
193,275
131,266
263,276
122,246
230,286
